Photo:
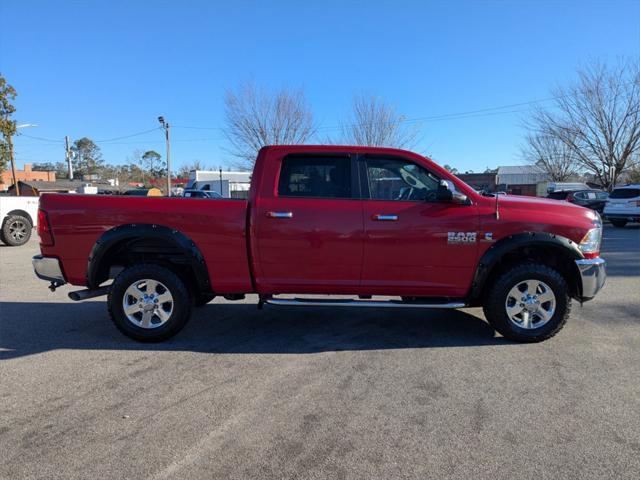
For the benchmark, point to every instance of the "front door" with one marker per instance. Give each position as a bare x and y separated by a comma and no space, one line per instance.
309,234
414,245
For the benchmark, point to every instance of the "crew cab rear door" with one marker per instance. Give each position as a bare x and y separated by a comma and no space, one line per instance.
308,233
414,245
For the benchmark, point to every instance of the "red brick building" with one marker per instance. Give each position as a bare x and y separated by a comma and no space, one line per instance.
25,175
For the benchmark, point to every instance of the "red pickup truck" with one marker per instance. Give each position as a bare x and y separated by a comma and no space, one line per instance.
357,221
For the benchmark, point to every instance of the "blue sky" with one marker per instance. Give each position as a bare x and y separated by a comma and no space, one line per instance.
107,69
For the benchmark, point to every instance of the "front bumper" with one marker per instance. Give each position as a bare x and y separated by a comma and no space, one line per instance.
593,274
48,268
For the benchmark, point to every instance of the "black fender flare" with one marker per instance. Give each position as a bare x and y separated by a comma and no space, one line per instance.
18,211
140,231
513,242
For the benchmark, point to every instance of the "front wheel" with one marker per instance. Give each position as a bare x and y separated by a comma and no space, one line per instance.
528,303
149,303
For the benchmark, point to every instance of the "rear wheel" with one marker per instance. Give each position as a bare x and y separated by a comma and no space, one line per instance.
16,230
149,303
528,303
618,223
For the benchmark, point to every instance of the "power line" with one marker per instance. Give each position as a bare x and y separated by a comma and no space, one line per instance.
42,139
127,136
456,116
477,113
108,140
489,111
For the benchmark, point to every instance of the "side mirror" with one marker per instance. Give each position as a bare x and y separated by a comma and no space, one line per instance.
447,193
443,194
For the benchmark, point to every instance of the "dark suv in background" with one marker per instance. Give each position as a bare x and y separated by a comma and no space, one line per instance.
593,199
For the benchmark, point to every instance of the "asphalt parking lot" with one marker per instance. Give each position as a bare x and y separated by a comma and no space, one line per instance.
323,393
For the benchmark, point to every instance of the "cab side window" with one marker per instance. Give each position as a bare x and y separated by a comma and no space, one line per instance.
315,176
401,180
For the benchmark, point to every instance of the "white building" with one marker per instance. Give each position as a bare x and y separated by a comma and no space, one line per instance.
227,184
522,180
521,175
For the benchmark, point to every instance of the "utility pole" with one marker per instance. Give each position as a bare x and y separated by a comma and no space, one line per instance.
67,151
16,187
166,127
11,159
221,193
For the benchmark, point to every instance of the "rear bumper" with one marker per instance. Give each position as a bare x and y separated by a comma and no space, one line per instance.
593,274
48,268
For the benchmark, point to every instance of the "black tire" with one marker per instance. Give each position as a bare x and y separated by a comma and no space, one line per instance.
618,223
16,230
201,299
495,302
181,303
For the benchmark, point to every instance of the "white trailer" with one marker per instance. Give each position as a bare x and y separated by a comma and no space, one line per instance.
19,215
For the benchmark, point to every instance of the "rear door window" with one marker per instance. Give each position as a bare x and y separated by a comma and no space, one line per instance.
315,176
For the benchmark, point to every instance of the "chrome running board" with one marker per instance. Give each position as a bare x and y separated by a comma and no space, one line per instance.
317,302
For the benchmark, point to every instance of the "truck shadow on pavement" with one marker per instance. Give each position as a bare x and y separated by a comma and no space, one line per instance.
28,328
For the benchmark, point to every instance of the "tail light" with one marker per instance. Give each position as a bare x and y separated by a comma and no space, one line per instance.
44,229
569,198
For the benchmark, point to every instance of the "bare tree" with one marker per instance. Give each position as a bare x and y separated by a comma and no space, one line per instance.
256,117
633,174
375,123
187,168
136,166
598,118
552,155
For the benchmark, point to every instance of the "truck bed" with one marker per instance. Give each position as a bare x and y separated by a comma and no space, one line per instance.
217,227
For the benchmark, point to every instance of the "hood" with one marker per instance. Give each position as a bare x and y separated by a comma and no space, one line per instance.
524,200
543,214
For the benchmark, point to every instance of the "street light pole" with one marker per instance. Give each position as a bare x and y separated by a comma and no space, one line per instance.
165,126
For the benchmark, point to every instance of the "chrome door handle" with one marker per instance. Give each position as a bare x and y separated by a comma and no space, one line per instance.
385,218
279,214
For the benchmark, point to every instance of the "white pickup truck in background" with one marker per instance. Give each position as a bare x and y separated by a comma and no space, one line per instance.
18,216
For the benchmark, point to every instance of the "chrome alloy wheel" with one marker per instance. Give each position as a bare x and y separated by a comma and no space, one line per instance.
530,304
18,230
147,303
